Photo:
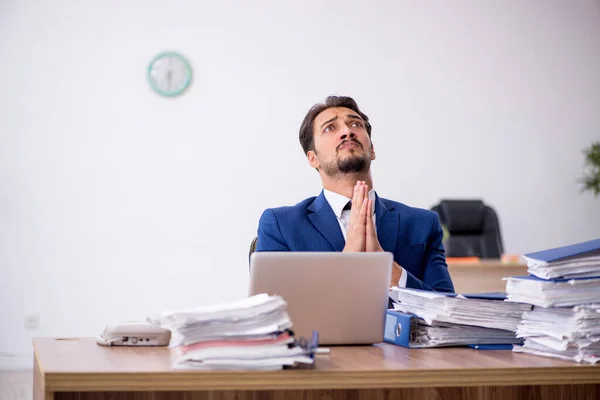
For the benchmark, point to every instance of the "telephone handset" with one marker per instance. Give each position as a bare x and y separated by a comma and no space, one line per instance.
137,333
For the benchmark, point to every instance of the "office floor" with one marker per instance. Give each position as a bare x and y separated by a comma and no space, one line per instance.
16,385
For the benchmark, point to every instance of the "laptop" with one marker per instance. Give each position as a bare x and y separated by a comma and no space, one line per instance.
343,296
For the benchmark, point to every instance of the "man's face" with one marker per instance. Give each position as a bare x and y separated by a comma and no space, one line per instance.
341,143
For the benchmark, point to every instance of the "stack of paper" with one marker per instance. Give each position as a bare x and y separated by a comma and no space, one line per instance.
553,293
580,260
571,333
564,288
440,334
459,309
253,333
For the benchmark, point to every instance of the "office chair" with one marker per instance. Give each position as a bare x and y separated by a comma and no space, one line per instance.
473,227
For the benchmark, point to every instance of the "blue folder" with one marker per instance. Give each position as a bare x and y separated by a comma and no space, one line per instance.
486,296
560,253
491,346
401,329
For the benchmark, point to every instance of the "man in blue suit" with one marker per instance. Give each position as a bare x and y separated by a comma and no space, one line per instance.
348,215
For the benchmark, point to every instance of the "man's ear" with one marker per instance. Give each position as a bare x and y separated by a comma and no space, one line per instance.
312,159
372,152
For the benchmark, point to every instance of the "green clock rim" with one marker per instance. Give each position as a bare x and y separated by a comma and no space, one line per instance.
187,67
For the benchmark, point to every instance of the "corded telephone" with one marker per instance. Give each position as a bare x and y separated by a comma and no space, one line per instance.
134,334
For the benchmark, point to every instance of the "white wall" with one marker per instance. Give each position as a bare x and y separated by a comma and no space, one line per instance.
116,203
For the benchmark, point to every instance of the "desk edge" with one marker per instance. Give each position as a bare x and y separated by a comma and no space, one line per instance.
313,380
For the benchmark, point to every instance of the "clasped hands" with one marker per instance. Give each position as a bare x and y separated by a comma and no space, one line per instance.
360,233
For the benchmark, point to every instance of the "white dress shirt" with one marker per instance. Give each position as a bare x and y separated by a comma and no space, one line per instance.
338,202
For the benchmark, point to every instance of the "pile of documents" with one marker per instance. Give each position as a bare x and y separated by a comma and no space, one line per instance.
553,293
564,288
571,333
448,319
439,334
253,333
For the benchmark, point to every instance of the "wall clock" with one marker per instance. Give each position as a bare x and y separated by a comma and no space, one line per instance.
169,74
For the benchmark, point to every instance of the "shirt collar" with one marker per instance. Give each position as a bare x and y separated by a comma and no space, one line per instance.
338,201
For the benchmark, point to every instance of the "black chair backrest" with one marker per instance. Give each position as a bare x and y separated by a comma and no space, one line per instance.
473,227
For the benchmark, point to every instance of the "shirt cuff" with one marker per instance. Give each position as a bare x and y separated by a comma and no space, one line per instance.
402,280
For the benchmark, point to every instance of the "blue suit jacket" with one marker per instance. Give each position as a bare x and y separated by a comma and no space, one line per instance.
413,235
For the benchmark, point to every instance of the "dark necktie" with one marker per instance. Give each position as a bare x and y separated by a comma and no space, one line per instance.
348,206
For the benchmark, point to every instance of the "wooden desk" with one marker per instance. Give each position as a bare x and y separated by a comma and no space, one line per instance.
80,369
484,276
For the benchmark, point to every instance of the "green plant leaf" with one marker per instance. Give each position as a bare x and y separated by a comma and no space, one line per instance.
591,180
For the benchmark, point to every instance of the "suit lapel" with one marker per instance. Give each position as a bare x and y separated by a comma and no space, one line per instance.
388,226
326,222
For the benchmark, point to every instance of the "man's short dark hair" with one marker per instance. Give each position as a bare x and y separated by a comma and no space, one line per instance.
306,129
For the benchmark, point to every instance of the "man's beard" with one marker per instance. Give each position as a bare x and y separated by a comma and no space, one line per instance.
348,165
352,164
